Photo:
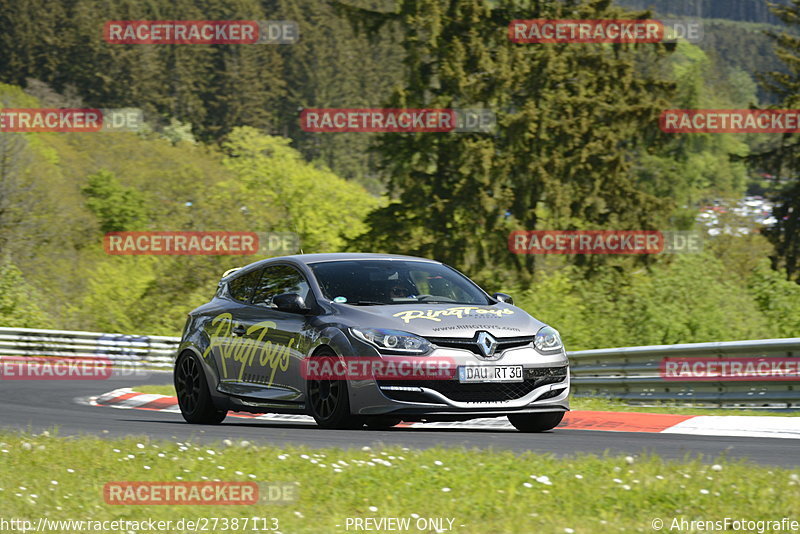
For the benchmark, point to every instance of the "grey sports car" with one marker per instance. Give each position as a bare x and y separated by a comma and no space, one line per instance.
369,340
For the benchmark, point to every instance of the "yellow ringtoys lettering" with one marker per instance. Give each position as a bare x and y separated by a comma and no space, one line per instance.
248,350
456,311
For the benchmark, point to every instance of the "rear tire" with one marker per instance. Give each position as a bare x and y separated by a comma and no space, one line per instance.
194,399
535,422
329,401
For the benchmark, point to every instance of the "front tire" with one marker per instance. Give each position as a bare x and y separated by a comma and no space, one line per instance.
194,399
329,401
535,422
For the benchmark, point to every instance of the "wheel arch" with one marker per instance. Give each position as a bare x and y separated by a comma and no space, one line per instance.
209,372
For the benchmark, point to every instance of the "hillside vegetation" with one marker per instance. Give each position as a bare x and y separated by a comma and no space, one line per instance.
577,146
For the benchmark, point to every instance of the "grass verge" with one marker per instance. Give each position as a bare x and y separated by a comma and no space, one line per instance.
497,492
168,390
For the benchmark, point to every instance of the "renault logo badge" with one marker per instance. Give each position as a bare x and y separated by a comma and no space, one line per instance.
487,344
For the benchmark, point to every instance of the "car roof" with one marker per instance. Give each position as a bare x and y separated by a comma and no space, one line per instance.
349,256
308,259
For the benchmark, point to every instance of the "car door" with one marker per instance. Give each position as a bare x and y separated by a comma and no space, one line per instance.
274,340
225,327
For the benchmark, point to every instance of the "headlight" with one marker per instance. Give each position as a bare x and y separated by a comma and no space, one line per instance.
393,341
547,340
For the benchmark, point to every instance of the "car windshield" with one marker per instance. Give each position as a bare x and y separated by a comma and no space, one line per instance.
374,282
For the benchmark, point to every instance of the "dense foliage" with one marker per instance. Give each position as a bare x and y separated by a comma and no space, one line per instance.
577,146
741,10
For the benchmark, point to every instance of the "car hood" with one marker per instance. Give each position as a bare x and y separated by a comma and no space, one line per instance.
442,320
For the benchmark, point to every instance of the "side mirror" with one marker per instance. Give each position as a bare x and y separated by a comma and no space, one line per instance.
290,303
502,297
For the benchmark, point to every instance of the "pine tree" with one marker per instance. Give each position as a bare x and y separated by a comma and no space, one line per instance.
213,87
783,160
569,117
333,67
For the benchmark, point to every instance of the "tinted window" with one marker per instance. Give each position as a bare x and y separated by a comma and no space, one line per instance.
241,288
395,282
277,280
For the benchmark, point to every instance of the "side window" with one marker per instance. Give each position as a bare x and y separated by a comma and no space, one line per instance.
277,280
241,287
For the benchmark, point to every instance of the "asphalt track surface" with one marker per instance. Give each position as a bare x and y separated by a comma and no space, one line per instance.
46,404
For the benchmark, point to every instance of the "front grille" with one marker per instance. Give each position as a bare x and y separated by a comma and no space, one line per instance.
503,343
479,392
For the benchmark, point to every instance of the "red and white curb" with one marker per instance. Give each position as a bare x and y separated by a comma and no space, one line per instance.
699,425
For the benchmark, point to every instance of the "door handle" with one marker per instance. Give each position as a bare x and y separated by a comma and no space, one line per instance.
239,331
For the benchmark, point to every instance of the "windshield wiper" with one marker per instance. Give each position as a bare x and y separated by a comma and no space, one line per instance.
367,303
434,299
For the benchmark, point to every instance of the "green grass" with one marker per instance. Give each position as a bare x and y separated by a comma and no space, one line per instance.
593,404
486,492
168,390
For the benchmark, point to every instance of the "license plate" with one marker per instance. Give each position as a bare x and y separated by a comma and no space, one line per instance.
468,374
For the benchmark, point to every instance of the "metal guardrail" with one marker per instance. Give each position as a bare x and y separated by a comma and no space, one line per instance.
129,350
633,374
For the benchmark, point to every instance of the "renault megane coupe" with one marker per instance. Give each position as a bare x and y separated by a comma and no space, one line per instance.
369,340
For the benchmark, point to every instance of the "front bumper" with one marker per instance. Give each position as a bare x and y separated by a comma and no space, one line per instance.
545,389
